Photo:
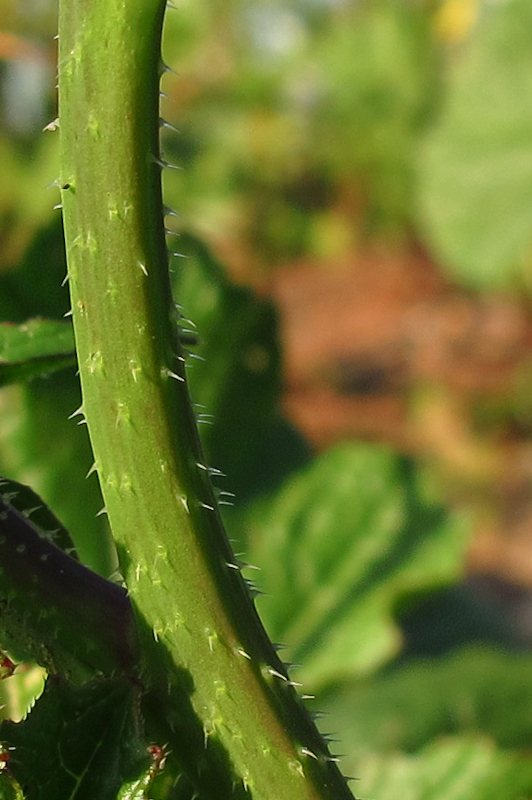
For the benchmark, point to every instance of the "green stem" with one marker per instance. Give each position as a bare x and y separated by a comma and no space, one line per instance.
210,672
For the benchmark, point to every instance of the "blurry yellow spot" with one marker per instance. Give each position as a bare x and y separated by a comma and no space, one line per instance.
455,19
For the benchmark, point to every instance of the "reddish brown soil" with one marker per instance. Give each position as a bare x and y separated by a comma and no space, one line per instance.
381,347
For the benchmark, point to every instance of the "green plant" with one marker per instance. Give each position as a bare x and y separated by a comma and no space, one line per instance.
199,663
144,695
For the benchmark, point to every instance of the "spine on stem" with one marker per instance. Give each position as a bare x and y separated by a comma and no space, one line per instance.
210,674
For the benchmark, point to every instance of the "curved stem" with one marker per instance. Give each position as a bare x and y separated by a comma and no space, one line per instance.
207,664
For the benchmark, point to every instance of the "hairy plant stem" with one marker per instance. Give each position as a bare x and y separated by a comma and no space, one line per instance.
210,674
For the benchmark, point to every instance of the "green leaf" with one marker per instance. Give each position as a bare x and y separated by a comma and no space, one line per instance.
337,546
20,691
476,691
41,446
28,502
457,769
238,381
9,789
37,347
78,744
56,611
163,779
138,789
476,174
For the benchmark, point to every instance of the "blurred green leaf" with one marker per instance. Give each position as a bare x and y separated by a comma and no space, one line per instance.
338,545
457,769
476,175
77,744
37,347
39,444
35,338
238,382
472,692
378,72
9,790
36,288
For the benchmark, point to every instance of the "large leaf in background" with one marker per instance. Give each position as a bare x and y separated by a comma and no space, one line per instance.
39,445
476,174
338,545
476,691
37,347
238,382
78,743
457,769
36,288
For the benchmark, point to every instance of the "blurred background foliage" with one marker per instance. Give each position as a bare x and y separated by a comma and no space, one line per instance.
356,216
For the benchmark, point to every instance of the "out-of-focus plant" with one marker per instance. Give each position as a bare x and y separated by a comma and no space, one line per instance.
304,129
